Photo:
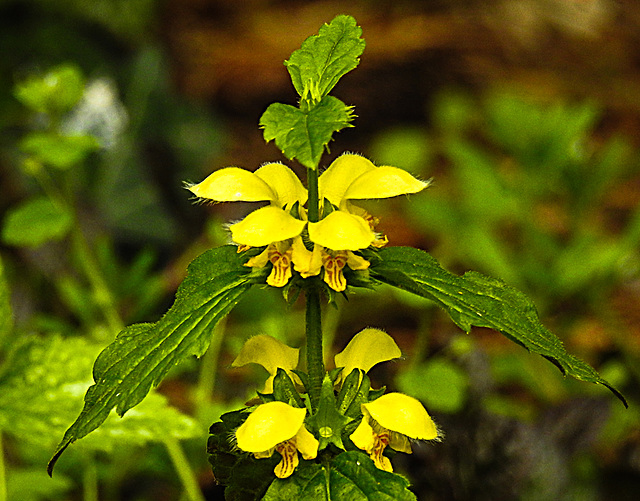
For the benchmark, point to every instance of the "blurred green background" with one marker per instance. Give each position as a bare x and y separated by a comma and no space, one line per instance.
526,114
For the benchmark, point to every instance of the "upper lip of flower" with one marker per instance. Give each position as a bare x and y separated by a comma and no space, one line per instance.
274,183
353,177
402,414
271,354
366,349
349,177
278,426
268,425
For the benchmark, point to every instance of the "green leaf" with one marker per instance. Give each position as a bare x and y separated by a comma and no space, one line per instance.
55,92
61,152
303,135
41,390
350,475
41,386
35,222
477,300
324,58
142,354
153,421
328,422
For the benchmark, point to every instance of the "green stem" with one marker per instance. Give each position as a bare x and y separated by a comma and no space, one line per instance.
3,475
312,188
90,481
208,370
101,292
315,360
180,463
315,364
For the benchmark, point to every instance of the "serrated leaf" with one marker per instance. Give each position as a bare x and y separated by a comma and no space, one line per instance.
153,420
142,354
41,391
35,222
303,135
61,152
41,386
477,300
351,475
324,58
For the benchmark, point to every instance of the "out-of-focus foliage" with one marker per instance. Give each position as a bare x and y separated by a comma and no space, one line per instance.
526,190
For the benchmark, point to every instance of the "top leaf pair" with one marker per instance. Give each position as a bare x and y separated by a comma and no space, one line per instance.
303,132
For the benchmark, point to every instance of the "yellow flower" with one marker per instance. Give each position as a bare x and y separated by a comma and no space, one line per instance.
309,263
353,177
333,238
280,255
271,354
276,426
274,183
366,349
392,420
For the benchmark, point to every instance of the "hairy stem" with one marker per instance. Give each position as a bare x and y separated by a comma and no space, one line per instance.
315,363
312,188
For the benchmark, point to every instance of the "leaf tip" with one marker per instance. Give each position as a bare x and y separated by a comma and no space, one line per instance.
52,462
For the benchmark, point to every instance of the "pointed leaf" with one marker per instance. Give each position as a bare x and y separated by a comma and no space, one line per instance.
477,300
142,354
303,135
324,58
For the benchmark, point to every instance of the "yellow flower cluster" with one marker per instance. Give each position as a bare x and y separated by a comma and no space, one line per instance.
390,420
331,241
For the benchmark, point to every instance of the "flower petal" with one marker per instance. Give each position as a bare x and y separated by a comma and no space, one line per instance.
342,231
307,263
363,437
306,443
383,182
403,414
366,349
284,183
334,182
233,184
281,261
268,425
265,226
356,262
289,462
268,352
